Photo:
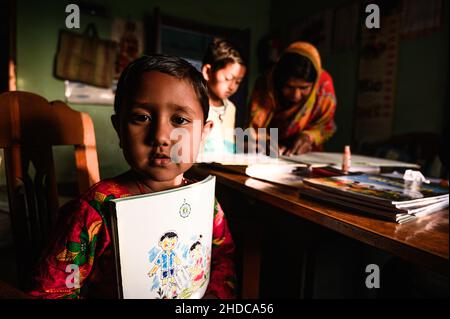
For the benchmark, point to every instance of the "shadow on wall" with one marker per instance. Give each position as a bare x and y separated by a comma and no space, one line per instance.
423,148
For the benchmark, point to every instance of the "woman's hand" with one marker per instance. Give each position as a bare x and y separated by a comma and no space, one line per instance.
303,144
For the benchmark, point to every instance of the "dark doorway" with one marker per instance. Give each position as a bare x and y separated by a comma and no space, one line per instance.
190,39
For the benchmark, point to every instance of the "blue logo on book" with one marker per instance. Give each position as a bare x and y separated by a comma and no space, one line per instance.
185,209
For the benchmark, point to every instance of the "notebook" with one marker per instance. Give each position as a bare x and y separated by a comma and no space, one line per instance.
162,242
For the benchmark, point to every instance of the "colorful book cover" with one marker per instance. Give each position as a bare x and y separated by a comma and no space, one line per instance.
353,204
399,215
384,190
163,242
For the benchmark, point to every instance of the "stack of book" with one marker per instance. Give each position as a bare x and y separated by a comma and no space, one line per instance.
389,198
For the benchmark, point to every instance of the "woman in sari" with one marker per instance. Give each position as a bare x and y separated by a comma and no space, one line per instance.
296,97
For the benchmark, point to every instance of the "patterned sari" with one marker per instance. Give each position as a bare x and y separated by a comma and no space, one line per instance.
83,238
315,118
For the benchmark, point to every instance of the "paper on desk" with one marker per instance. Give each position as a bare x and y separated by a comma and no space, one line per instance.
330,158
280,174
367,169
243,159
396,174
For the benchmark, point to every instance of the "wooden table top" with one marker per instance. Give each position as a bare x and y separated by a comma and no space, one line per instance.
423,241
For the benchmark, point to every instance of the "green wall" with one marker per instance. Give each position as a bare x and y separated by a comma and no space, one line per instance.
421,102
38,23
422,80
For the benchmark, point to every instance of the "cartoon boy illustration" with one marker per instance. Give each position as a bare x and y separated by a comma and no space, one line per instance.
167,261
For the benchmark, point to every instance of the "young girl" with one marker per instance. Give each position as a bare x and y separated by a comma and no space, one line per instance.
155,95
223,69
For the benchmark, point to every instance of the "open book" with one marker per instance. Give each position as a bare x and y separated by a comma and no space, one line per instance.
272,169
241,159
163,241
359,163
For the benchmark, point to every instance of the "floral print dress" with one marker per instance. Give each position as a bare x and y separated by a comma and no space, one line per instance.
82,242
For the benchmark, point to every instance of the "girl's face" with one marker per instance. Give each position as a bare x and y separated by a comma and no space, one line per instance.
161,103
196,252
224,82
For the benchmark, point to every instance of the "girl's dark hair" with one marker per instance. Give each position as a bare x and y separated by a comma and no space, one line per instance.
194,245
219,53
171,65
292,65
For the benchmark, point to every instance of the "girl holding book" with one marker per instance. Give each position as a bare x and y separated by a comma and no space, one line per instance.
155,95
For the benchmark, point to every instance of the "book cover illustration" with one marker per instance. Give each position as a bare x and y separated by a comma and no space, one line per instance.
379,188
178,271
163,242
364,207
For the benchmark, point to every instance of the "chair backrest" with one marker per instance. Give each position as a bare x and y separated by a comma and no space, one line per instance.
29,127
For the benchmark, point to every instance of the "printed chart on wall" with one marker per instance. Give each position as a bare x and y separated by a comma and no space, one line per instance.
377,74
421,17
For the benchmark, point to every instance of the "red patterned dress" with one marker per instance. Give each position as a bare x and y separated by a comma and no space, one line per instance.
83,237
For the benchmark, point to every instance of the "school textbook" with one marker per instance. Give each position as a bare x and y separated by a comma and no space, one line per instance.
387,197
163,241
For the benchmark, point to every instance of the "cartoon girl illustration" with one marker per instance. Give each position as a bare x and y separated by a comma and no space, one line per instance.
197,270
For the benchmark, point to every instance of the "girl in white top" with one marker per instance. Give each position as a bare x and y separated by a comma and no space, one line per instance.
223,69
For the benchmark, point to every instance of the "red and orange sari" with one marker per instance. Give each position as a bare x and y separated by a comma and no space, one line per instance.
315,118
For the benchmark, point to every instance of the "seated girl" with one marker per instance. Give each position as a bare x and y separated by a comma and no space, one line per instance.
223,69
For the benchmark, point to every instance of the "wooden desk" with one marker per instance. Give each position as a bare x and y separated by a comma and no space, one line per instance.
423,241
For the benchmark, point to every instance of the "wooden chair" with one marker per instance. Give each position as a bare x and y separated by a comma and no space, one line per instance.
29,127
